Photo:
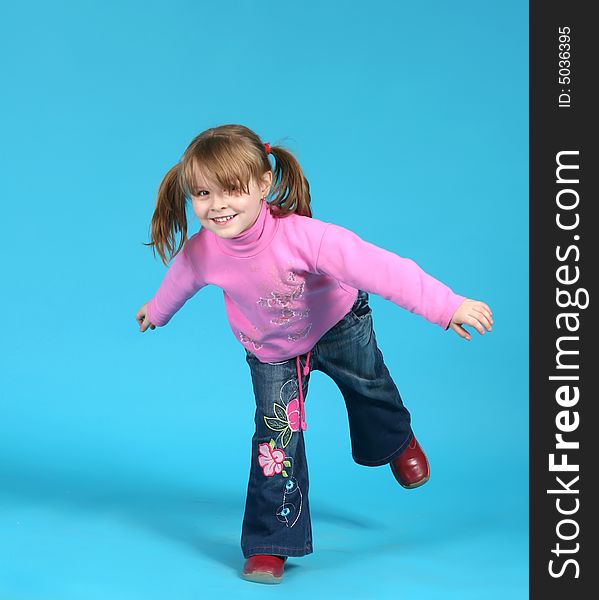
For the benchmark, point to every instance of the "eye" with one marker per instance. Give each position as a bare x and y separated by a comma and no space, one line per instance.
200,193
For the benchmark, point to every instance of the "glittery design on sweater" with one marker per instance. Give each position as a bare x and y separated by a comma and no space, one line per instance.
278,299
294,337
287,315
247,340
282,302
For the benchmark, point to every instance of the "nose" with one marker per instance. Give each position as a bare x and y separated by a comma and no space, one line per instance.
218,202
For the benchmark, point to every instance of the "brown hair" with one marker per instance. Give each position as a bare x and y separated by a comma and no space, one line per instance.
232,155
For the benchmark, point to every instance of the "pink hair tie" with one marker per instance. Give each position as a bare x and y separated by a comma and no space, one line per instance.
267,147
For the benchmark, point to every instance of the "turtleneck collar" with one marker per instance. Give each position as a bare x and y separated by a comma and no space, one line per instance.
254,239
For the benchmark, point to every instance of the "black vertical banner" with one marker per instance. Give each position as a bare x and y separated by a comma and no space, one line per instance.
564,347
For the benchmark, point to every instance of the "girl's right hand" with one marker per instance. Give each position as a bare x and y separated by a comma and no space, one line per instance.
142,318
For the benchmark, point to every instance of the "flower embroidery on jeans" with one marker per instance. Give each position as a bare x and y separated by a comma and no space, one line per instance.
292,411
275,461
272,460
287,418
285,421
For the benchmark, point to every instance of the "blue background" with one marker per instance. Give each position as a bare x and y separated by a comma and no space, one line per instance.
124,456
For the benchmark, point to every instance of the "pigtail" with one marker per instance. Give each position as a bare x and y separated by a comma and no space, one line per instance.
290,192
169,216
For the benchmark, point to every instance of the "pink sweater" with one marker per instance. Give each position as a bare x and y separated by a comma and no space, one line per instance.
288,280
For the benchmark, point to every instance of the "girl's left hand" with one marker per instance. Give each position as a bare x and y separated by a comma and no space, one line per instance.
474,313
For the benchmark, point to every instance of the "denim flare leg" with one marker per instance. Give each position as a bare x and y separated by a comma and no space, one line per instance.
277,512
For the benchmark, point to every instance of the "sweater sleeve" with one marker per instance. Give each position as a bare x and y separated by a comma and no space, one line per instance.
180,283
362,265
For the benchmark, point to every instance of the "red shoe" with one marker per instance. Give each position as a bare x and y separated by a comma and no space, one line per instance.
264,568
411,468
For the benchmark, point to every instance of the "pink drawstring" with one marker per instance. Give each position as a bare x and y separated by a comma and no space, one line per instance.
307,366
303,423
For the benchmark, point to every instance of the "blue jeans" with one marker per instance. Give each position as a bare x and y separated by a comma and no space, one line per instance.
277,512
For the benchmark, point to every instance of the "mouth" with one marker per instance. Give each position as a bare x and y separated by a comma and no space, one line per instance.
223,220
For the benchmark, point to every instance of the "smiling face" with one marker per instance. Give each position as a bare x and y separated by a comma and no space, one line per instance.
228,213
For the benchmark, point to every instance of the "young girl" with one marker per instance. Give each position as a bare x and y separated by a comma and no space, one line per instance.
296,296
